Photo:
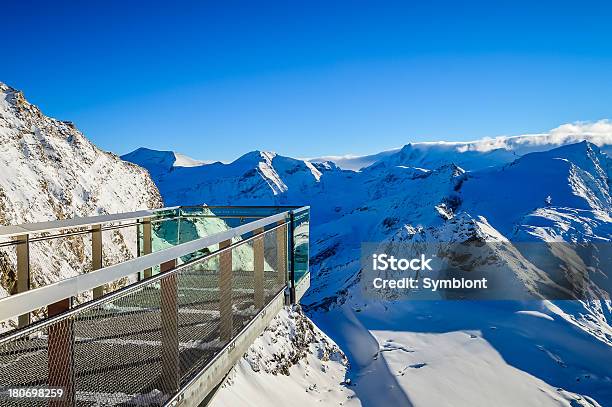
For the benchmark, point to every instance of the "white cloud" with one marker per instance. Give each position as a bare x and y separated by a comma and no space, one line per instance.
598,133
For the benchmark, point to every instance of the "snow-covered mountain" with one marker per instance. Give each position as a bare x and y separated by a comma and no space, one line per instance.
553,353
49,171
160,162
553,187
264,176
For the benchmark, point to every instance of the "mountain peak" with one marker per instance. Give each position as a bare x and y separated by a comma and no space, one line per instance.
257,156
16,98
584,154
49,171
4,87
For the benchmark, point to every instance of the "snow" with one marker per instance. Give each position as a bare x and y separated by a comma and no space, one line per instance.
433,369
291,363
573,176
533,188
181,160
462,353
536,314
353,162
264,175
509,190
49,171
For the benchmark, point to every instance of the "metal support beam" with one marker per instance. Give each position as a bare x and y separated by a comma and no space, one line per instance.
167,266
147,243
291,233
225,292
170,374
178,229
23,272
96,256
258,263
281,254
61,355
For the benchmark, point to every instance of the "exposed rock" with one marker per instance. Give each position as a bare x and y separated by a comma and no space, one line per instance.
49,171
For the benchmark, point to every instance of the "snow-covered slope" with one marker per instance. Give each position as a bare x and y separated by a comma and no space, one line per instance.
354,162
49,171
160,162
291,363
553,353
267,177
562,194
577,176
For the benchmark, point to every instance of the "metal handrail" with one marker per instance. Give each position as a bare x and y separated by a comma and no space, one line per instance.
245,206
8,337
82,222
31,300
73,223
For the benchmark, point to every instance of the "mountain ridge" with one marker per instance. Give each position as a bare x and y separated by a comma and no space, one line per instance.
48,171
494,150
506,148
560,194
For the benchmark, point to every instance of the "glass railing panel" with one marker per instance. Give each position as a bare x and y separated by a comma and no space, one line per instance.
301,233
181,225
243,211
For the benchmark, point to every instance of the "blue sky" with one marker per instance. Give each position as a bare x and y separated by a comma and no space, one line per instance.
217,79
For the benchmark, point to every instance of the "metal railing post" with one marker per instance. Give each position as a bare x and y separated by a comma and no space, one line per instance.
170,374
23,272
292,295
258,263
147,243
96,256
61,355
281,253
178,227
225,292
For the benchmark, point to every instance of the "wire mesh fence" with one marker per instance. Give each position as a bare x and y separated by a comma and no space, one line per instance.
140,345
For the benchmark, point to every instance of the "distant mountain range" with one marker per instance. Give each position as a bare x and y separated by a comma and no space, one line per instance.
481,153
541,188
